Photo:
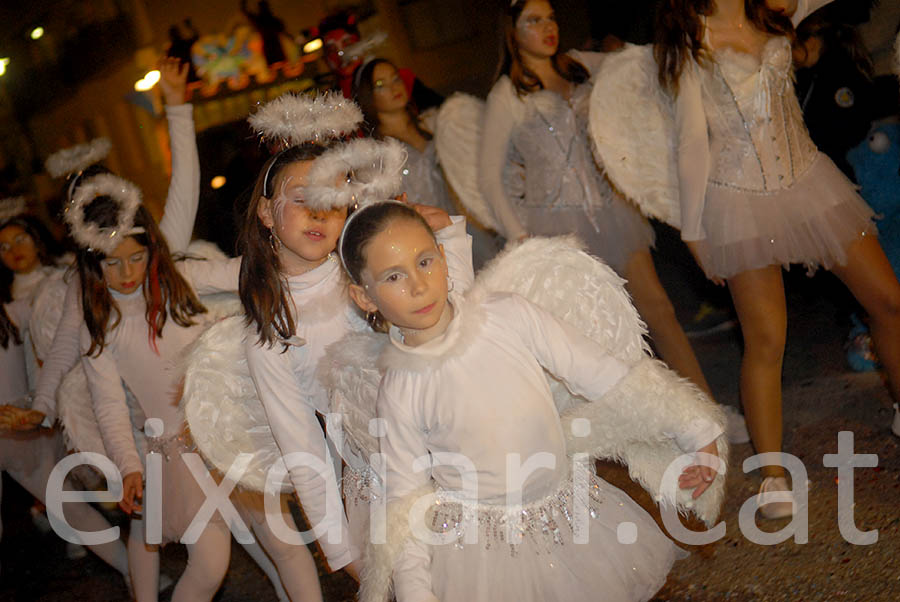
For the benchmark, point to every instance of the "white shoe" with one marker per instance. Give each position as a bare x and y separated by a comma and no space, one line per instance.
735,427
895,426
75,551
783,505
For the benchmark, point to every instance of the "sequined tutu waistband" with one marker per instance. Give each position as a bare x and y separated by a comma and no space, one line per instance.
172,446
539,523
361,486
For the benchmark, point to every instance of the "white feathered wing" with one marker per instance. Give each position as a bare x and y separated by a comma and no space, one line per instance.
632,123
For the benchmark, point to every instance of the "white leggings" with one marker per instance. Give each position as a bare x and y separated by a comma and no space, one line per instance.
29,459
295,565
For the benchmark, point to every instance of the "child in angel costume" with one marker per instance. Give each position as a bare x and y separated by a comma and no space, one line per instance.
709,136
522,163
389,111
647,416
294,295
29,457
142,311
465,407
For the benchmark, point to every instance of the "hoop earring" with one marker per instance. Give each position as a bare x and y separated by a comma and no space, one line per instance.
372,319
452,284
273,240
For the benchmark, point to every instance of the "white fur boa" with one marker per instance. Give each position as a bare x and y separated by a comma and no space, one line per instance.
632,123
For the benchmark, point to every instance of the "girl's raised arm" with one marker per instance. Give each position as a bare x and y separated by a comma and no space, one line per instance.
177,223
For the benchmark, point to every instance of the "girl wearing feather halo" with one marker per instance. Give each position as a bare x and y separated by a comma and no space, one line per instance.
535,121
294,293
464,400
756,195
137,311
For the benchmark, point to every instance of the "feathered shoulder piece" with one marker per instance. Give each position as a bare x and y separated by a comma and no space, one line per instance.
294,119
11,207
75,159
90,235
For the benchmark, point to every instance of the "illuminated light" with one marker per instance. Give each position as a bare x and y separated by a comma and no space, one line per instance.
147,83
217,182
37,33
3,63
312,45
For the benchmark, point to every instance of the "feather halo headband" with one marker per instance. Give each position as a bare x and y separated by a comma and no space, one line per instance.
371,170
11,207
76,159
294,119
90,235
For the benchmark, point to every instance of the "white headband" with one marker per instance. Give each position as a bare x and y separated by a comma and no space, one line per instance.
90,235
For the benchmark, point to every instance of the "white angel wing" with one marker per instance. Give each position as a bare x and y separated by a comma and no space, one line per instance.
457,138
222,408
350,374
632,124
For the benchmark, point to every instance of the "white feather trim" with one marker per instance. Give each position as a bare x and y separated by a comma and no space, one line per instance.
457,138
632,124
627,425
10,207
222,408
76,159
372,169
350,375
294,119
89,234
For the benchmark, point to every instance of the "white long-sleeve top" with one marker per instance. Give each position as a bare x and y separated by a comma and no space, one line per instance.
739,125
153,377
176,226
479,391
292,395
546,134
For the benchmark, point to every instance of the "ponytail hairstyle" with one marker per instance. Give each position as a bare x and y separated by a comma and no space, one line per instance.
262,286
48,250
364,95
364,225
165,290
679,33
523,79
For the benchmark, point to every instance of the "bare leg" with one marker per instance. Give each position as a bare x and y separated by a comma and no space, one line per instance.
759,301
870,278
656,309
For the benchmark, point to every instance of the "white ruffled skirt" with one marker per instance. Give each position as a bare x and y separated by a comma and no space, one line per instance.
811,223
547,564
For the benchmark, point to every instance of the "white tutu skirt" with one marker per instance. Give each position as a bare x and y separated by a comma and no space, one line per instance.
547,564
811,223
617,232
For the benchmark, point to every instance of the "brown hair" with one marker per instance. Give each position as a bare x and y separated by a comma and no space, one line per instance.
48,250
364,95
679,33
263,288
523,79
359,232
8,330
165,290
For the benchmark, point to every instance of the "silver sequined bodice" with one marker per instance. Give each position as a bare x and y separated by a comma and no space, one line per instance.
551,143
758,141
423,180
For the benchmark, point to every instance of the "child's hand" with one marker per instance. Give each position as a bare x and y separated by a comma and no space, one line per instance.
697,476
437,219
13,418
172,80
132,490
